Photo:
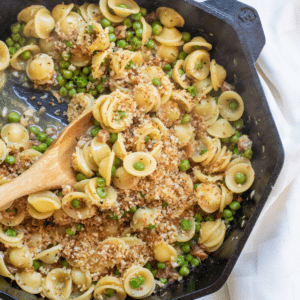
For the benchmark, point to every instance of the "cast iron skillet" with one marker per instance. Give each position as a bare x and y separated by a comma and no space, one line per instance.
236,33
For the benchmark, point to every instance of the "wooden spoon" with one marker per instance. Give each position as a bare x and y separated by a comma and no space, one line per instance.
54,168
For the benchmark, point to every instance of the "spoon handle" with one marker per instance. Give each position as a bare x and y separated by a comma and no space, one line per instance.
45,174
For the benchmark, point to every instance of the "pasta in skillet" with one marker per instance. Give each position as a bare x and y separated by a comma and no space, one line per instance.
160,172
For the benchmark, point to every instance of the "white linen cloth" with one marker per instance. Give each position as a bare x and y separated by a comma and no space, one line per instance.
269,265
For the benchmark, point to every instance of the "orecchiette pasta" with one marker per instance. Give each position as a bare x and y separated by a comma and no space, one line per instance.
225,100
164,252
209,197
15,135
143,217
169,17
4,56
12,241
221,129
19,64
28,13
170,37
44,201
30,282
3,151
82,279
20,257
218,74
50,256
107,14
132,7
60,11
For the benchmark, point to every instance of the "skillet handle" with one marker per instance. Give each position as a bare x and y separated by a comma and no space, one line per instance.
248,19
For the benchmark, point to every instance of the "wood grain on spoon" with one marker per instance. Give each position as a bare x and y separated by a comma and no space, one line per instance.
53,169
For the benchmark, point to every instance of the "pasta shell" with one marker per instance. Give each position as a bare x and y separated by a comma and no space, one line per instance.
184,132
4,56
3,151
169,53
230,177
184,236
38,215
164,252
203,87
225,111
14,134
104,10
11,241
82,279
132,7
44,201
196,43
93,13
20,257
28,13
169,17
209,197
3,269
218,74
30,282
19,64
169,37
147,31
176,75
148,161
221,129
60,11
123,180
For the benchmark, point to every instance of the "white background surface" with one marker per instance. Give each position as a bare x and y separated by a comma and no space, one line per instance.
269,266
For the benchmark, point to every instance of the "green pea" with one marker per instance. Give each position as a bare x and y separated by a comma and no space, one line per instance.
122,114
80,177
86,70
136,43
130,65
229,219
240,178
181,72
167,67
10,232
101,192
196,185
75,203
113,137
234,139
237,133
127,22
80,90
182,55
70,232
199,67
49,141
189,257
248,153
81,82
186,225
112,216
64,64
13,117
89,29
227,213
136,17
163,280
225,140
69,85
236,151
9,42
118,162
135,283
100,88
32,41
195,262
10,160
110,292
42,147
16,37
139,33
36,264
157,29
42,137
147,139
113,170
209,218
186,36
111,10
185,248
156,82
133,209
123,6
63,91
143,11
180,259
161,265
101,182
95,131
137,25
22,41
233,104
69,44
235,205
198,218
192,90
17,46
72,92
231,147
105,22
184,271
78,227
238,124
121,44
129,35
117,273
15,28
67,74
65,264
184,165
93,92
12,51
197,228
34,130
139,166
154,273
25,55
112,37
148,266
61,81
